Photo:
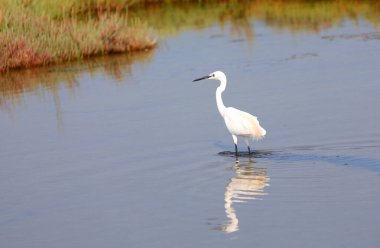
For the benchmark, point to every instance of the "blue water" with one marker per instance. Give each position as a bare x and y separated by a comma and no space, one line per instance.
125,154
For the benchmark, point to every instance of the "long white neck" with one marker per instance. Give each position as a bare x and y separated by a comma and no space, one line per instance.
219,91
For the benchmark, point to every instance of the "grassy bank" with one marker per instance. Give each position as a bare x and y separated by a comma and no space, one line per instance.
35,33
42,32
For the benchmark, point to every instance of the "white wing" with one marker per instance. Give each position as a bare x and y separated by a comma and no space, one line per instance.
241,123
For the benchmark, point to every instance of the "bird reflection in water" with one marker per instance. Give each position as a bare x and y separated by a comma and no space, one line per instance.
248,184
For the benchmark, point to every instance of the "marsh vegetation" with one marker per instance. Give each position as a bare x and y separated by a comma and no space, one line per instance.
35,33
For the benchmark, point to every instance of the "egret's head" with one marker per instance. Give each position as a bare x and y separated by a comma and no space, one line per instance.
217,75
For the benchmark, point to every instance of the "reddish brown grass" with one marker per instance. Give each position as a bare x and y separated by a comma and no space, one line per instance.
28,41
17,53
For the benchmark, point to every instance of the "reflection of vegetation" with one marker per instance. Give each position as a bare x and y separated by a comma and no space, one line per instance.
41,80
293,15
171,18
316,15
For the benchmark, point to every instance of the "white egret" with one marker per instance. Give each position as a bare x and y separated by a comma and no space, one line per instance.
239,123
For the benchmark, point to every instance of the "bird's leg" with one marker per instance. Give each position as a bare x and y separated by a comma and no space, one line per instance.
249,150
234,137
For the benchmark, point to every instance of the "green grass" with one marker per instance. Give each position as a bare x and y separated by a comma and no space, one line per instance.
29,36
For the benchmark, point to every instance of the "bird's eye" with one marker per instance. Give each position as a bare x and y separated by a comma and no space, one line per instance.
213,75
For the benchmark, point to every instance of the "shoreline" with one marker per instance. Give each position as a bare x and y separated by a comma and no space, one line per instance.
31,39
39,33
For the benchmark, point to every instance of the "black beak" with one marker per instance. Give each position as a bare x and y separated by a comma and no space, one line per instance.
198,79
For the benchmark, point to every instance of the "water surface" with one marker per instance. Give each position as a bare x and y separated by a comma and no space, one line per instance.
124,151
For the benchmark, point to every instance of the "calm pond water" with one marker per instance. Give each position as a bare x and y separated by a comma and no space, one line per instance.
122,151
